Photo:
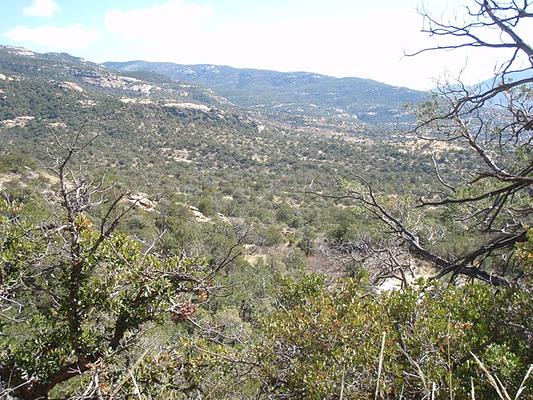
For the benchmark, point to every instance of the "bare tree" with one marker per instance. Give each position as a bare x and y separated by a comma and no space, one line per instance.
494,123
75,293
490,196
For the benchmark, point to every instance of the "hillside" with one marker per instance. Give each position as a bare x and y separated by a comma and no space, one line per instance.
235,242
180,141
76,74
190,232
291,95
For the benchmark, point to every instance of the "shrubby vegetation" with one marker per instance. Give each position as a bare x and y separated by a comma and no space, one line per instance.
209,253
75,292
323,342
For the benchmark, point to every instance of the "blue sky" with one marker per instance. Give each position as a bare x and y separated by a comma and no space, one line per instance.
363,38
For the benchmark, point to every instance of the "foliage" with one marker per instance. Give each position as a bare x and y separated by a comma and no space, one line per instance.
302,94
75,292
53,321
478,211
524,253
322,342
202,295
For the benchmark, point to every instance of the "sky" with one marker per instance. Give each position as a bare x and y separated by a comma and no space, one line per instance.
361,38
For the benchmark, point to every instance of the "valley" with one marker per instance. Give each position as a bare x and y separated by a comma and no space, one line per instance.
201,231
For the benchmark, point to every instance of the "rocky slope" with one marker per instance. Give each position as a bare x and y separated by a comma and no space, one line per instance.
291,95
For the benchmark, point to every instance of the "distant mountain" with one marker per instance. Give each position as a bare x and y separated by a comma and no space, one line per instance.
181,140
78,74
291,95
509,77
501,98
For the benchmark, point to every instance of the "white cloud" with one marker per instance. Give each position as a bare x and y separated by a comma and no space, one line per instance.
50,37
335,43
174,19
356,39
41,8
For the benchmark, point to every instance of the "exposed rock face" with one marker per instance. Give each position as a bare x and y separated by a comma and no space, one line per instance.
198,215
19,51
111,81
190,106
128,100
143,201
87,103
71,86
4,77
60,125
18,121
180,155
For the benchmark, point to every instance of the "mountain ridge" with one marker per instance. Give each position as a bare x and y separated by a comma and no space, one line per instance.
225,66
295,98
290,94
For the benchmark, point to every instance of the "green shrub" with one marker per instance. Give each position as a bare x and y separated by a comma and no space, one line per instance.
320,338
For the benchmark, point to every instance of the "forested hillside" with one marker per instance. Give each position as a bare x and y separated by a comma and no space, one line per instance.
292,95
219,237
